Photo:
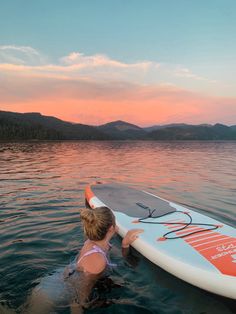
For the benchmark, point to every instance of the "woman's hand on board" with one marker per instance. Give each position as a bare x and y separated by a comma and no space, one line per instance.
130,237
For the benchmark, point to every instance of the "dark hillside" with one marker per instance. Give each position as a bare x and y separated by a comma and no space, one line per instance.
195,132
123,130
17,126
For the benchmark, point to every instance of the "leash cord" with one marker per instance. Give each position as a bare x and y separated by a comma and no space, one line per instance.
185,224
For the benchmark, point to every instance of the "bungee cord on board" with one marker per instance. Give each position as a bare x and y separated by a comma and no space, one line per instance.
183,224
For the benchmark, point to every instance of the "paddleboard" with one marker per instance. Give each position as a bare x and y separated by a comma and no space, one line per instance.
192,246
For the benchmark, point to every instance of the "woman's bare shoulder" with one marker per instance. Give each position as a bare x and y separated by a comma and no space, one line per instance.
94,263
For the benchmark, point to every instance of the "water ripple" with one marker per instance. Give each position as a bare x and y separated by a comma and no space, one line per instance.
42,189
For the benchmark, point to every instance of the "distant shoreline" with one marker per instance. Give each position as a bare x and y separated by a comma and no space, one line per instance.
35,127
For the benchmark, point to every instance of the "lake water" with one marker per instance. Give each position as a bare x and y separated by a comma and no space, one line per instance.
42,189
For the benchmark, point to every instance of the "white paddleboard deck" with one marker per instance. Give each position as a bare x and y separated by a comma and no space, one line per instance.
206,259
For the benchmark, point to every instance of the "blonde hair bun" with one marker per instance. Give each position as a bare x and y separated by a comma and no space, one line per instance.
88,216
96,222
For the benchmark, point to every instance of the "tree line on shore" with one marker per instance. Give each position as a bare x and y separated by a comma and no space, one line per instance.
34,126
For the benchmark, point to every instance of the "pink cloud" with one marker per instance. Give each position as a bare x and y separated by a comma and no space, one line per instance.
87,101
96,89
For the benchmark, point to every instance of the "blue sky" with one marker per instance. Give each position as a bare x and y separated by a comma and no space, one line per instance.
181,31
197,37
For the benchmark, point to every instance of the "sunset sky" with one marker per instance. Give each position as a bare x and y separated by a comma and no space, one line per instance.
143,61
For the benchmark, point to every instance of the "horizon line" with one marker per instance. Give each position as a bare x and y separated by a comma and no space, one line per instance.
94,125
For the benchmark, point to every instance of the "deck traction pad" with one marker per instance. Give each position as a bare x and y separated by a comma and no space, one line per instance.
124,199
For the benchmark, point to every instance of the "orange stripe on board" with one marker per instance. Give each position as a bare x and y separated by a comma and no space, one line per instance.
213,246
208,240
171,226
207,244
188,230
204,238
88,193
201,235
175,226
194,227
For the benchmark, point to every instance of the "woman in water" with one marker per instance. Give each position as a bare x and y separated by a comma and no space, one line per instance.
75,284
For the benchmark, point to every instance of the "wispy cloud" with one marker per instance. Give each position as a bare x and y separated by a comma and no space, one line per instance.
101,60
28,61
19,55
181,71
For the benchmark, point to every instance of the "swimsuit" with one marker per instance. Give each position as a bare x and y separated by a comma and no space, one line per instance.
96,249
73,267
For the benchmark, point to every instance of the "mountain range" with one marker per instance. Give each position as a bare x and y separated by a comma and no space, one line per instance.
35,126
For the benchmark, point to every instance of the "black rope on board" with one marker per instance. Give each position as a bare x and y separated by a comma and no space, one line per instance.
184,224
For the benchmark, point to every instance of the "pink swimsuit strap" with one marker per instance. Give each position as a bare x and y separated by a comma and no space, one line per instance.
96,249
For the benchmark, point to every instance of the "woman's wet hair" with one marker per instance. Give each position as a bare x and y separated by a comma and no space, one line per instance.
97,222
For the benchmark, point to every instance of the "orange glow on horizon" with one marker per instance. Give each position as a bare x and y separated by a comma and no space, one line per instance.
98,102
142,113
